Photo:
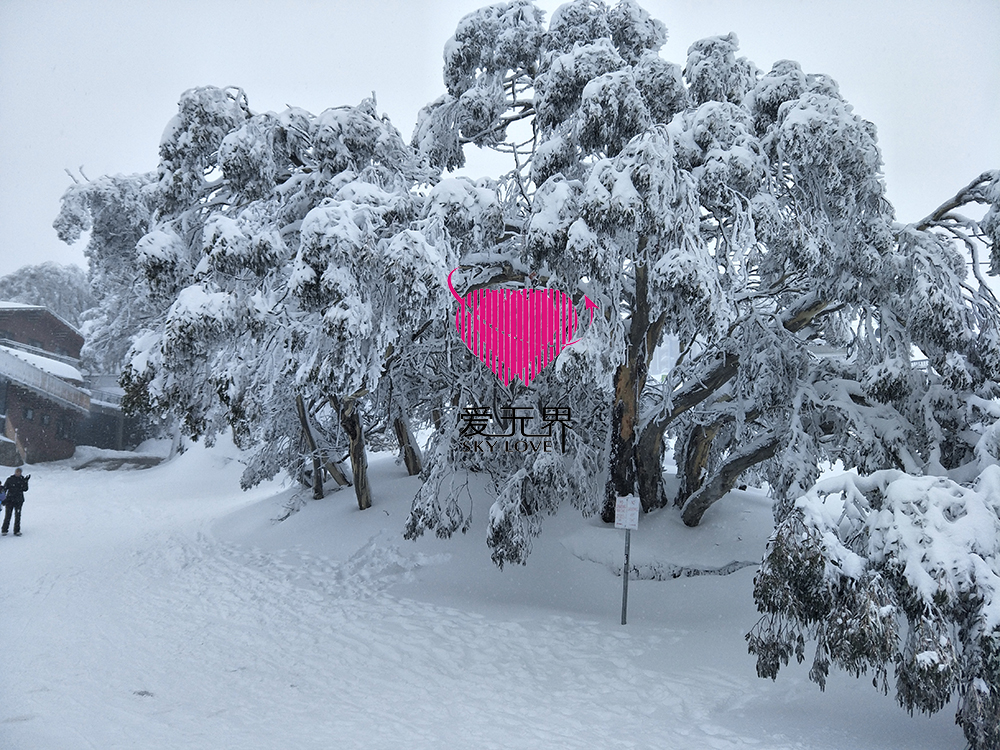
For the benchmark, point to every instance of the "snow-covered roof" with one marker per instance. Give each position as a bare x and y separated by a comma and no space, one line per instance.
51,366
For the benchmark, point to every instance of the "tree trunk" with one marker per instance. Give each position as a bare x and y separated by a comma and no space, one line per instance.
621,472
317,461
693,463
408,445
629,381
337,474
350,421
649,471
759,450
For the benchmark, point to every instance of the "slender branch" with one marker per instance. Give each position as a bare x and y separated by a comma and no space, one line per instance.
500,125
965,195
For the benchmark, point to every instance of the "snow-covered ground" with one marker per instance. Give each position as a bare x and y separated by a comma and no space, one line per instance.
164,608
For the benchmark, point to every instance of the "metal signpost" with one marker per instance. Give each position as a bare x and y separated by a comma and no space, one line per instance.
626,517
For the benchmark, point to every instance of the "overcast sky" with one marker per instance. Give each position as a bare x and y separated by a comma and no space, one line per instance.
92,84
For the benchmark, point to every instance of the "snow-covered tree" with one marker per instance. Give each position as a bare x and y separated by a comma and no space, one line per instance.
62,289
744,214
287,261
901,566
116,212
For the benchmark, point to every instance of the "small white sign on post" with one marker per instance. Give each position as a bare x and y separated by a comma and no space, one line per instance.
627,512
626,517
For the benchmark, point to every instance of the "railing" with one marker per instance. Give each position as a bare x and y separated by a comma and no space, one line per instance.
64,358
30,377
105,397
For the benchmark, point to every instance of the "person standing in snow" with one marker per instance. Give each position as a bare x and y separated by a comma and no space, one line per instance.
15,487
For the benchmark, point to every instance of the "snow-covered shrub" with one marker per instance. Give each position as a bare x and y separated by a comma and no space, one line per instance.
892,572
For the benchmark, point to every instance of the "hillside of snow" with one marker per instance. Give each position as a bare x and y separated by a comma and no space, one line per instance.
165,608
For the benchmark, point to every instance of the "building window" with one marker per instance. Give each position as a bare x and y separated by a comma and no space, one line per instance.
28,413
46,420
62,428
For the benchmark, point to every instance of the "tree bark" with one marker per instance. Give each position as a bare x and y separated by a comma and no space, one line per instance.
629,381
329,464
408,445
317,461
725,478
693,465
649,452
337,474
350,421
649,474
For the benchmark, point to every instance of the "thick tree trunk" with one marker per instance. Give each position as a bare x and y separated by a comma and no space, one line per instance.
629,381
317,461
761,449
649,453
649,471
693,463
621,476
350,421
407,445
697,452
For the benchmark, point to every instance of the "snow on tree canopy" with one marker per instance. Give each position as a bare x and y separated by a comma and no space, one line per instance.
189,147
715,74
196,309
924,551
577,22
494,40
560,87
612,112
352,138
635,33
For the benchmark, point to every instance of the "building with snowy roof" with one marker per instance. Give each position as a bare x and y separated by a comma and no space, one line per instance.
45,404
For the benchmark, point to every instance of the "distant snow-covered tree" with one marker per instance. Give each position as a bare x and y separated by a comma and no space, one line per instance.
62,289
117,214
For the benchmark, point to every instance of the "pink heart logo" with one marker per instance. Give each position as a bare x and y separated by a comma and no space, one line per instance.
515,332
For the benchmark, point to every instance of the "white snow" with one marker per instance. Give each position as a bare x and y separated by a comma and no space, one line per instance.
163,608
51,366
944,537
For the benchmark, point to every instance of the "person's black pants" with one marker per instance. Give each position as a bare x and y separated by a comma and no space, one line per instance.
14,508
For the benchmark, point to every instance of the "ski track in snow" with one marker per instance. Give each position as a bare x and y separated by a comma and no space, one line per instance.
127,624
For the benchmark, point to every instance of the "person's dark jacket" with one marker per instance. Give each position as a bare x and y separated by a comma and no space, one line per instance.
15,487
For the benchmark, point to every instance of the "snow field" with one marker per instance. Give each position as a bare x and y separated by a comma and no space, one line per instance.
164,608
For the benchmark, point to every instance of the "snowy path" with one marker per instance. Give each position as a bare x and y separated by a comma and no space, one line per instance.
129,623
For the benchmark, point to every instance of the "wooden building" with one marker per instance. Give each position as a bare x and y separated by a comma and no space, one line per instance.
43,399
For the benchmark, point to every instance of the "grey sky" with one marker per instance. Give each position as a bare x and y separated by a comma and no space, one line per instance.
93,83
